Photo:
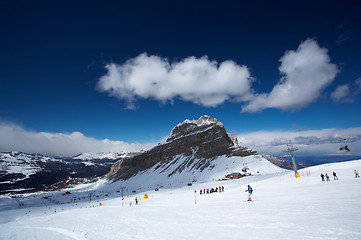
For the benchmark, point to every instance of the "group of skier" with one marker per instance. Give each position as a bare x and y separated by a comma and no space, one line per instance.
221,189
327,178
323,178
211,190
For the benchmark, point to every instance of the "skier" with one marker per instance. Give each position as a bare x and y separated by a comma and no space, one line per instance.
335,176
136,200
327,177
249,190
356,174
322,177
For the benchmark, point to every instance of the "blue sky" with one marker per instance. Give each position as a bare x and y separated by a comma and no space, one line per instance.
74,73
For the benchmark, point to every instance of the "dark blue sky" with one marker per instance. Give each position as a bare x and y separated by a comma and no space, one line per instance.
53,53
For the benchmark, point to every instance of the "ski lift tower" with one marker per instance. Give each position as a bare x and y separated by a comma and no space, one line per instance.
292,149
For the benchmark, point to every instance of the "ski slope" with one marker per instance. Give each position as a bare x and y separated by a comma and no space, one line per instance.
283,208
182,170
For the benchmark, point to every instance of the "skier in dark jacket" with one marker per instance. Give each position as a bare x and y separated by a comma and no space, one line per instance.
335,176
249,190
322,177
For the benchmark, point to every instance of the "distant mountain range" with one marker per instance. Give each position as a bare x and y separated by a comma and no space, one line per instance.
23,172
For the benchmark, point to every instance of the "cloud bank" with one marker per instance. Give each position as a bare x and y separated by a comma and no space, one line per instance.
306,72
15,138
196,80
323,142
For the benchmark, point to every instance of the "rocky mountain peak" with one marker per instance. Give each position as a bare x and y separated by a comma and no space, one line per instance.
193,126
206,120
198,142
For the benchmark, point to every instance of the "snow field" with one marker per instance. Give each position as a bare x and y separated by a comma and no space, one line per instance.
283,208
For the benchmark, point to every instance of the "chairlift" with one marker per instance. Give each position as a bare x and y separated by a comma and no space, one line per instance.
344,146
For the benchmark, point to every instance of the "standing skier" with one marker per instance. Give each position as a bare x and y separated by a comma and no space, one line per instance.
136,200
335,176
356,174
249,190
327,177
322,177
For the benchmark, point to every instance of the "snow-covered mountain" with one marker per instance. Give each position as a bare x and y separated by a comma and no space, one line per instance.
21,172
196,151
20,165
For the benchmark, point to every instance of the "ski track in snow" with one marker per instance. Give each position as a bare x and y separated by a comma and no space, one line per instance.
283,208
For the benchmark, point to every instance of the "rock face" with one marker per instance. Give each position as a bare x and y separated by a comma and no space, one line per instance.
200,140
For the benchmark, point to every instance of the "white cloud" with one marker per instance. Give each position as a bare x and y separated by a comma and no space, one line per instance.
340,93
306,72
323,142
347,92
15,138
196,80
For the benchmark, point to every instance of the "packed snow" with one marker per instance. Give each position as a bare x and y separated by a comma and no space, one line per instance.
283,207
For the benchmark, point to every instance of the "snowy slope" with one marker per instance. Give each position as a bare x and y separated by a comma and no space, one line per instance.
283,208
172,175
